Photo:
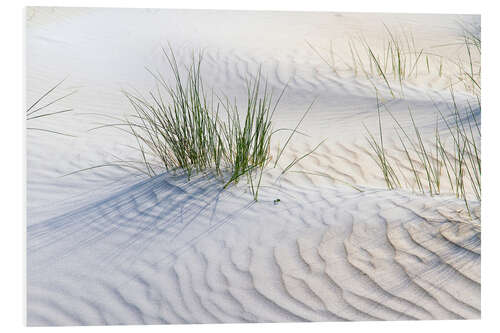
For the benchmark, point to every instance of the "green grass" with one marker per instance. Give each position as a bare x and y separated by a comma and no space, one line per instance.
470,69
187,128
456,161
399,58
38,109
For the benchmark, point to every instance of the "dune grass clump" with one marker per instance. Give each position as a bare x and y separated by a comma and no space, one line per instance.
399,58
186,128
456,160
181,132
248,142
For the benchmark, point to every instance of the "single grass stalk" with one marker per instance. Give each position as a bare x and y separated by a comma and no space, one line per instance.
380,71
295,161
280,152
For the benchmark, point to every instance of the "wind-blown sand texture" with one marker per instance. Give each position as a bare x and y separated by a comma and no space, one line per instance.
111,246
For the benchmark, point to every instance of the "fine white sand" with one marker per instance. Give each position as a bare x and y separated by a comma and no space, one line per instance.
111,246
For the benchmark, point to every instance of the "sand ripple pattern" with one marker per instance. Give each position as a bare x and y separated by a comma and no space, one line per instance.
155,253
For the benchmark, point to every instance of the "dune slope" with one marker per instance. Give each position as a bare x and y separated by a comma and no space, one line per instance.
111,246
157,253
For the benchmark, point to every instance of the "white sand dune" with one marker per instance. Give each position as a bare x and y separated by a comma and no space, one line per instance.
110,246
177,252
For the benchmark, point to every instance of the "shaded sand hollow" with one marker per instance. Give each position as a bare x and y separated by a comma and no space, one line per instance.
111,246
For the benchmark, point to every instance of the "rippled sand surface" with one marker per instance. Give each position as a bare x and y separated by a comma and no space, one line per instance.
110,246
